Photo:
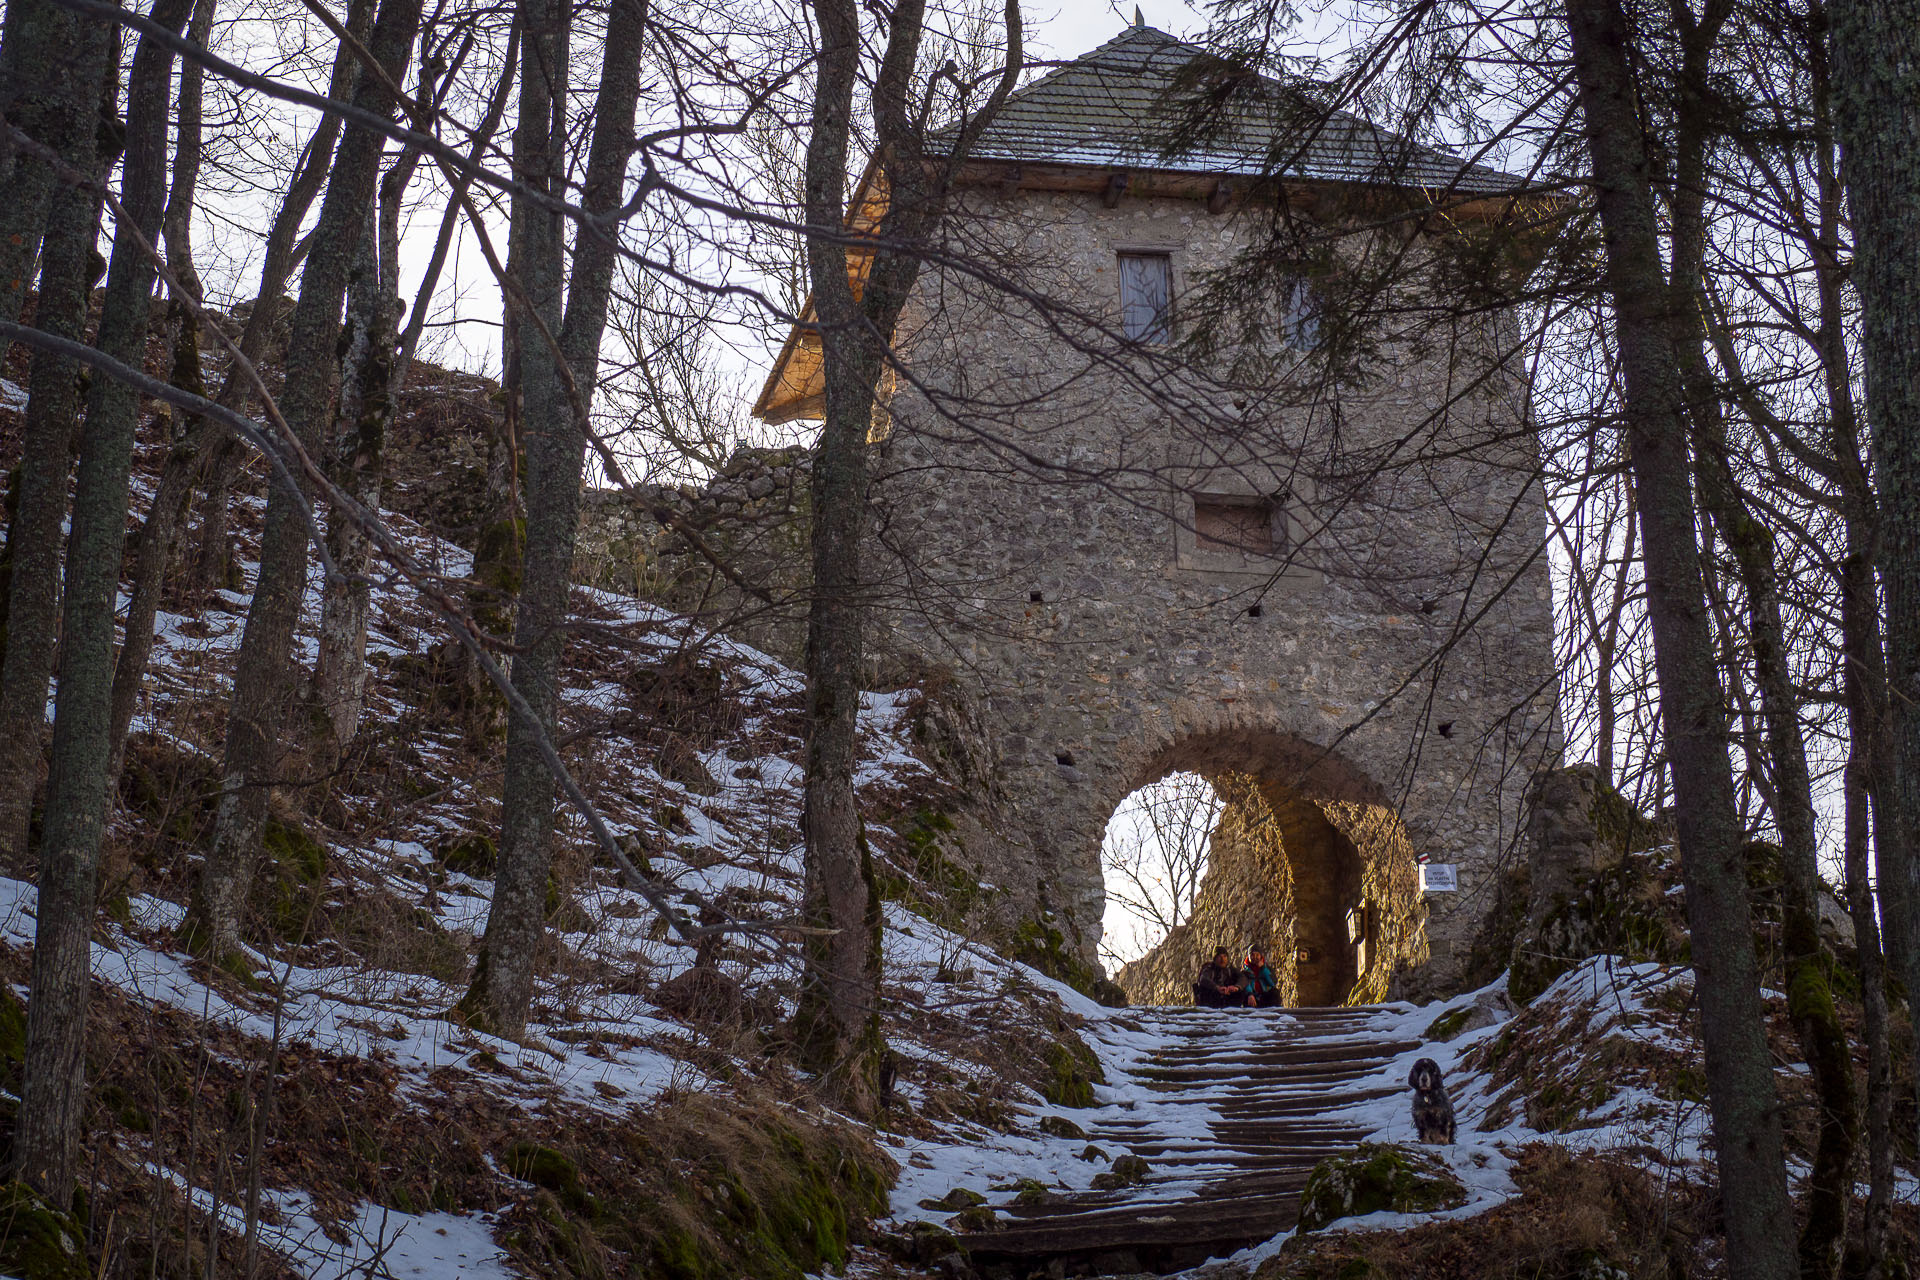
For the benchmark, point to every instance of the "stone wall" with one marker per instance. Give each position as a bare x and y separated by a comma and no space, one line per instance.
1035,535
735,558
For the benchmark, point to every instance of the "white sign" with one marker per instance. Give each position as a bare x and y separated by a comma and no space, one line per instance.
1438,877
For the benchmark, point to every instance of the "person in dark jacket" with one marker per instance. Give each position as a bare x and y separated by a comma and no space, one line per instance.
1262,989
1219,984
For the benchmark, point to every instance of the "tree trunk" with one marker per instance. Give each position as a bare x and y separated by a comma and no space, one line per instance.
502,986
159,536
205,454
211,565
1876,81
264,678
370,379
558,396
33,538
37,93
1746,1118
1873,1004
837,1019
53,1096
1810,1003
358,451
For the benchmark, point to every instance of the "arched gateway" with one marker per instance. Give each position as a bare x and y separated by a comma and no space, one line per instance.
1336,600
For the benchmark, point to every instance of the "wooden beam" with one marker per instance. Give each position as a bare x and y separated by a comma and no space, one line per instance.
1318,196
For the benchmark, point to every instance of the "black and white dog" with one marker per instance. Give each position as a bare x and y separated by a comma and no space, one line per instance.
1432,1109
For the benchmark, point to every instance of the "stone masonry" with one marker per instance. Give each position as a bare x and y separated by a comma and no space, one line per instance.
1132,562
1038,513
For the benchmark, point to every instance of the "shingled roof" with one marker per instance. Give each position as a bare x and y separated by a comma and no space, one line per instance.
1114,108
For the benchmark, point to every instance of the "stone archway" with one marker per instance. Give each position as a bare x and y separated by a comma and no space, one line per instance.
1308,861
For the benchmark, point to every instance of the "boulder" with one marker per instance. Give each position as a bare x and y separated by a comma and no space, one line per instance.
1374,1177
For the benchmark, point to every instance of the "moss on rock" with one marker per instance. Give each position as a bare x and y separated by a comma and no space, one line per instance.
1031,1193
1623,911
1374,1177
1039,944
1448,1025
38,1241
1061,1127
1072,1071
973,1221
1125,1171
287,893
955,1200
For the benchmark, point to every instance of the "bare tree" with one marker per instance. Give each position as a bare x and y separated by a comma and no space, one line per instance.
1876,79
1746,1118
47,1135
559,363
1155,857
258,737
70,62
837,1015
202,454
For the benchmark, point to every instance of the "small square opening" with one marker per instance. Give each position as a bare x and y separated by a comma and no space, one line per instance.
1230,524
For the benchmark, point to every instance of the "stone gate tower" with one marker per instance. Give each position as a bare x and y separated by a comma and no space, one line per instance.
1134,561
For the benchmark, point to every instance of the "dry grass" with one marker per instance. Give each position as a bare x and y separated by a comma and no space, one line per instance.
1575,1210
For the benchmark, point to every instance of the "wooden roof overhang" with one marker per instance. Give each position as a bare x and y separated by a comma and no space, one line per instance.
795,388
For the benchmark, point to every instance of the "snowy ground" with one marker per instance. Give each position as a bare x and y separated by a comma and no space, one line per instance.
964,1021
1602,999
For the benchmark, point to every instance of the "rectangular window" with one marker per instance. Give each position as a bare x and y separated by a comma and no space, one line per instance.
1146,296
1227,524
1299,315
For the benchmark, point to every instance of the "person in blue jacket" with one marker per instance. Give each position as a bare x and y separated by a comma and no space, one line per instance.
1257,981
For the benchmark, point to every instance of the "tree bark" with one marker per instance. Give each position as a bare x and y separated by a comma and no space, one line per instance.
558,396
37,94
1876,82
1746,1118
53,1096
358,451
74,131
204,455
837,1019
264,678
1810,1003
159,535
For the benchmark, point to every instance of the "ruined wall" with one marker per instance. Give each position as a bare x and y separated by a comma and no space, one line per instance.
1036,536
739,562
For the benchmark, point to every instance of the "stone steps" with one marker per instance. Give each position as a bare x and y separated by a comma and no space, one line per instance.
1268,1084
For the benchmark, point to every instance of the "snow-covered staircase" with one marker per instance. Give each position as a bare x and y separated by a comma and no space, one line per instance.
1231,1110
